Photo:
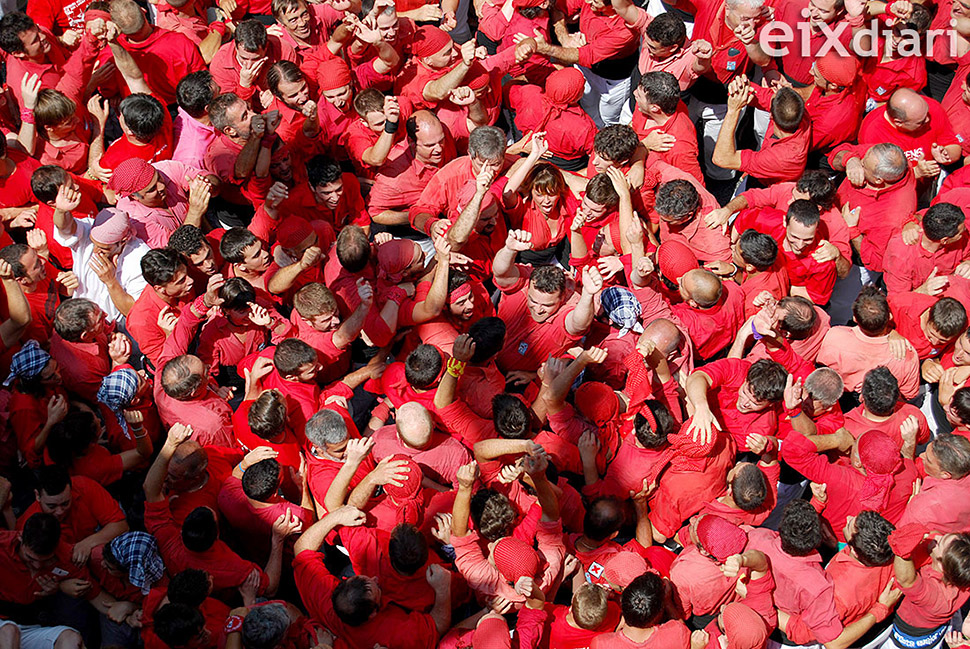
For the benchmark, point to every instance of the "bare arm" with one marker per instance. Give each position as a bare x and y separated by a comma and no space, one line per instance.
17,306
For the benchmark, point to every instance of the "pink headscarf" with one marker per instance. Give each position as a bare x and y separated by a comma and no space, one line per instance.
880,457
111,226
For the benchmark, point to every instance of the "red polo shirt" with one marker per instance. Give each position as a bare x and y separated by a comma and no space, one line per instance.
19,586
907,267
779,196
684,153
730,58
958,110
92,507
817,278
779,158
876,128
856,422
727,376
160,147
142,322
882,211
907,309
440,196
774,280
882,78
412,630
796,64
165,58
401,180
608,37
835,118
713,329
225,68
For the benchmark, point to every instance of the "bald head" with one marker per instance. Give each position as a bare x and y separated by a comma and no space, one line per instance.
664,334
908,110
702,286
187,468
127,15
414,425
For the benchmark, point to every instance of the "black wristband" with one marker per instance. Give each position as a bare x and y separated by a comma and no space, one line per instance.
391,127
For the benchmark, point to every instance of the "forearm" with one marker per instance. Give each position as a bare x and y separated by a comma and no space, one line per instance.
27,137
459,233
547,498
274,565
350,329
17,306
283,279
644,533
96,148
103,602
579,321
311,126
489,449
128,67
387,58
209,46
440,88
392,217
841,159
566,55
337,493
155,478
504,271
756,54
246,161
106,534
626,217
905,571
122,301
460,511
696,389
441,613
445,394
376,155
725,152
316,534
477,115
433,304
590,473
362,493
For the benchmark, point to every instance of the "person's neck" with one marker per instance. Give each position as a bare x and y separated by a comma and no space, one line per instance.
635,633
728,501
588,543
164,298
928,244
871,417
141,34
570,620
247,274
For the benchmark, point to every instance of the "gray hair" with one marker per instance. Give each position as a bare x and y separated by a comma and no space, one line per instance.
487,143
825,385
326,427
265,626
891,162
745,3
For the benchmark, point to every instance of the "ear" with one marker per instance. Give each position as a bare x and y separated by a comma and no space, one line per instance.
37,495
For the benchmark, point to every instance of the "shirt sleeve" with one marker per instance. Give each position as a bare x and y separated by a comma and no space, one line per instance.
481,576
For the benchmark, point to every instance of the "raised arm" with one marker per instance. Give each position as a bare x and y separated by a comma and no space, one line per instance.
357,450
349,330
461,510
155,478
504,272
579,320
17,307
726,153
459,233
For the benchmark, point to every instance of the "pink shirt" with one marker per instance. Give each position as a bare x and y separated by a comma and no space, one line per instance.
192,139
439,460
940,505
154,225
851,353
701,586
680,64
802,586
487,581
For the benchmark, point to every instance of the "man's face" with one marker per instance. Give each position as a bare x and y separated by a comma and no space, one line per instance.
487,218
281,167
328,321
297,21
961,351
542,306
154,194
934,337
747,402
939,546
239,115
329,194
339,97
659,52
429,145
799,237
51,374
388,26
296,252
592,211
294,93
464,307
307,373
256,259
179,286
442,58
245,57
743,15
494,165
601,163
58,505
204,261
822,12
35,43
34,267
36,563
931,464
374,120
337,451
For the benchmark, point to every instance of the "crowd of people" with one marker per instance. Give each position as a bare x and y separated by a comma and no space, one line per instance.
559,324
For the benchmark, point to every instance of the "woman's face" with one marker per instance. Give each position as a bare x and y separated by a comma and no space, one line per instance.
545,203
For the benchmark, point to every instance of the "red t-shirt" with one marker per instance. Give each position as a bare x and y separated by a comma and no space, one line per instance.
92,507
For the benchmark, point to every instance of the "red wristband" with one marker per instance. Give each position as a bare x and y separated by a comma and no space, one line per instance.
26,115
220,27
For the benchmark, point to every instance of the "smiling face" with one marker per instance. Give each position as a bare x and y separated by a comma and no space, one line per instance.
154,194
542,306
339,97
327,321
296,20
294,93
36,45
747,402
464,307
799,237
329,194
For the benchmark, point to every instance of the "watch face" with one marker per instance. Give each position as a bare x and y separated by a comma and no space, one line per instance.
233,624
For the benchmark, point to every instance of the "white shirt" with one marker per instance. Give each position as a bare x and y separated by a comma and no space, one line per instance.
89,285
